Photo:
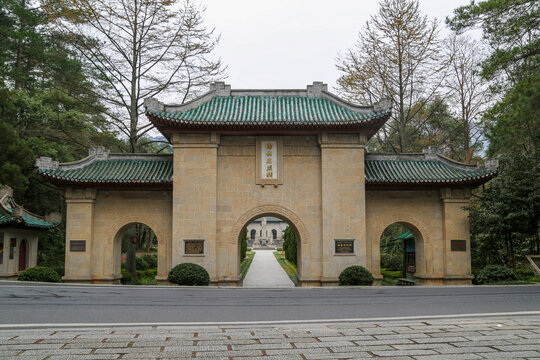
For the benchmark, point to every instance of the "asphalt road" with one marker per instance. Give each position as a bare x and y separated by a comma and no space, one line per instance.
22,304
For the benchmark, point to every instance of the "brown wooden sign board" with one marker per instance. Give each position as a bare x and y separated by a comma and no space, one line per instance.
458,245
77,245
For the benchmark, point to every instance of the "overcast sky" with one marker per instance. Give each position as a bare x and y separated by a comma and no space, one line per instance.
291,43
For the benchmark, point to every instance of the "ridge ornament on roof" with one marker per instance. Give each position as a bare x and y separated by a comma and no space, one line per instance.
294,111
14,215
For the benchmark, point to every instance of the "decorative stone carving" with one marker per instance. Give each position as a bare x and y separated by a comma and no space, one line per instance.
99,152
490,164
46,163
221,88
153,104
382,105
316,89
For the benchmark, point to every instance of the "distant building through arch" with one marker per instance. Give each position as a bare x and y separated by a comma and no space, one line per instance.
241,155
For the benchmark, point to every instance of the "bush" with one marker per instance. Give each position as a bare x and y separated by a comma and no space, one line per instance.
355,275
495,273
188,274
146,261
392,262
290,245
279,249
39,273
243,245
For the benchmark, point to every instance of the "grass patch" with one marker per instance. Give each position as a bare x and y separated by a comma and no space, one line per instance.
143,277
390,277
246,263
392,274
289,267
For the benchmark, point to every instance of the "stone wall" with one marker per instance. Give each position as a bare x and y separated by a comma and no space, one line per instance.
101,218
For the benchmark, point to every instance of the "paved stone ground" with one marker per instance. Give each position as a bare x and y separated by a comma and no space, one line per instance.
266,272
478,338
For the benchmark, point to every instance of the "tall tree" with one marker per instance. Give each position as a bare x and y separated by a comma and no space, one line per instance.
397,56
512,30
138,49
468,96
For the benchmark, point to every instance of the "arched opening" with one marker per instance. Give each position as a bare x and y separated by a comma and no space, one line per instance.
400,246
23,254
277,239
135,254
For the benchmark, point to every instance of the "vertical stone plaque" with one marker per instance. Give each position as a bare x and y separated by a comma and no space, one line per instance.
269,160
344,246
77,245
458,245
194,247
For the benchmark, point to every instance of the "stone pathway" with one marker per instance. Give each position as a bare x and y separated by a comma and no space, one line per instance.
266,272
479,338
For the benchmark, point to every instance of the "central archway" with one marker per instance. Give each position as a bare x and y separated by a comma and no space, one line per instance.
294,221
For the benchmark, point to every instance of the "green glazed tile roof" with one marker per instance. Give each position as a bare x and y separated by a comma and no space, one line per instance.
129,170
28,220
267,111
422,171
380,169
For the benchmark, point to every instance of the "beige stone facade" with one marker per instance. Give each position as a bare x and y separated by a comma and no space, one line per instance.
322,191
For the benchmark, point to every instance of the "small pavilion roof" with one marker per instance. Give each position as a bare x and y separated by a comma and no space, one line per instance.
105,170
428,169
310,110
14,215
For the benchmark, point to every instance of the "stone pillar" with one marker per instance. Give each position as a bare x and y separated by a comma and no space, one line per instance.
194,198
79,227
457,261
343,202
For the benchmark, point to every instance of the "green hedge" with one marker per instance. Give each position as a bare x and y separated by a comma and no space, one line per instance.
39,273
494,274
355,275
188,274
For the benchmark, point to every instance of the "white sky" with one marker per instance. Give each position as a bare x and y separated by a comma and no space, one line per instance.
286,44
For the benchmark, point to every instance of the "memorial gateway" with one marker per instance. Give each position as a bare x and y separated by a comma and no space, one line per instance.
240,155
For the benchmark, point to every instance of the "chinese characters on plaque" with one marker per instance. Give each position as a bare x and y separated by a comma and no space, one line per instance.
269,160
344,246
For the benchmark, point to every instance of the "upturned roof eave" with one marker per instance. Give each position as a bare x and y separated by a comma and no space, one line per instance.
168,127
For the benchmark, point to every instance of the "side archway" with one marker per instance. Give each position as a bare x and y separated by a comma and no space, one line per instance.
113,247
281,212
421,243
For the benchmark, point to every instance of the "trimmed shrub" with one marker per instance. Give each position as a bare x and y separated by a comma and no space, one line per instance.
290,245
495,273
146,261
279,249
243,245
39,273
392,262
355,275
188,274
